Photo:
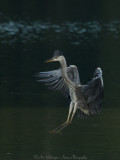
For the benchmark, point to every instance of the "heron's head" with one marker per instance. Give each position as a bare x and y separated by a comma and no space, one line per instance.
98,72
57,56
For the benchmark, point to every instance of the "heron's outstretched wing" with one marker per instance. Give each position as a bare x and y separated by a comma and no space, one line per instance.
73,74
55,80
94,94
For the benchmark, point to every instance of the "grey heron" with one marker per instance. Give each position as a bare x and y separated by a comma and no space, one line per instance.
86,98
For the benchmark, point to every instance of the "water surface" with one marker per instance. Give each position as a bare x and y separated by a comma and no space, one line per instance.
28,110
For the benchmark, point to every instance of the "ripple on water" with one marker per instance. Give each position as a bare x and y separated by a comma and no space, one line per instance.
11,31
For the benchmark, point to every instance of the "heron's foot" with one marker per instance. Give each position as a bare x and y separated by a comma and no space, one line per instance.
57,129
61,127
63,124
55,132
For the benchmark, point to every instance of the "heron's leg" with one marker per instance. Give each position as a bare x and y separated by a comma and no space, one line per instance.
74,110
67,121
70,110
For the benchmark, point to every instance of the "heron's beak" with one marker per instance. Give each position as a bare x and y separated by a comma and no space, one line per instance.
50,60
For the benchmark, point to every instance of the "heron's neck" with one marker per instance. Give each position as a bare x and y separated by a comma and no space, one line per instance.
64,72
63,65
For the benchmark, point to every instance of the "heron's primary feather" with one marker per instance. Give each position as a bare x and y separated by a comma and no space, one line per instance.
93,92
54,79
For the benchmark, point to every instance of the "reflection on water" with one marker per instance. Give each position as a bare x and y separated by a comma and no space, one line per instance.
38,30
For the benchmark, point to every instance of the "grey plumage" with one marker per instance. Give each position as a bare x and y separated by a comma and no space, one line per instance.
87,98
93,92
55,80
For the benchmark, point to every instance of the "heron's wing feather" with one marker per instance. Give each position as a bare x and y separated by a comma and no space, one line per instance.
55,80
73,74
94,94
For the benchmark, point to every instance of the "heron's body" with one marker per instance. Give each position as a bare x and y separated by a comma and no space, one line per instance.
77,97
86,98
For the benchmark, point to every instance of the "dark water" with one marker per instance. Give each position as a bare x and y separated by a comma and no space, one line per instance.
89,36
24,134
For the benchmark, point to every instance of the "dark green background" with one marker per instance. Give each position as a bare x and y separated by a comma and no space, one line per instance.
88,33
